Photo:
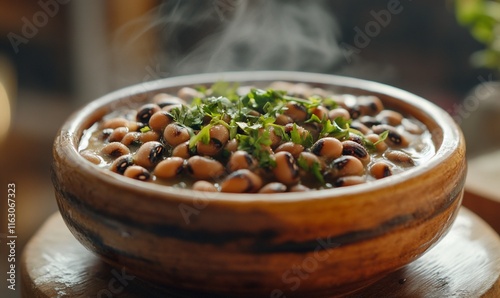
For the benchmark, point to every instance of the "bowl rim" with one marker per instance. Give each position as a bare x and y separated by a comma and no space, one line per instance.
68,140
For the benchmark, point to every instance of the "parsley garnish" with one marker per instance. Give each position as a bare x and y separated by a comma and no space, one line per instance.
251,118
315,169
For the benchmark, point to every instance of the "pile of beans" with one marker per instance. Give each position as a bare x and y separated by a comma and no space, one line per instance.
298,139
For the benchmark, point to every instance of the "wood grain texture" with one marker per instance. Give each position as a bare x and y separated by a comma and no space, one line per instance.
466,263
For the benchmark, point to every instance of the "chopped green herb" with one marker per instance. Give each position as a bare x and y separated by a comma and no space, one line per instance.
225,89
295,135
202,136
145,129
382,137
315,169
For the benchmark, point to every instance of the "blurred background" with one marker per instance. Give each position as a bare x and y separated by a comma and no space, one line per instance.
57,55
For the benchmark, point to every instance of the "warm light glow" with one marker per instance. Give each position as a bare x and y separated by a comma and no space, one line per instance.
4,112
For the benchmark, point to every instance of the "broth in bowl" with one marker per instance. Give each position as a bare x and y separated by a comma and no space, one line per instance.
287,137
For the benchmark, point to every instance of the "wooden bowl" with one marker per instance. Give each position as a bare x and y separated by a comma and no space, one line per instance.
318,243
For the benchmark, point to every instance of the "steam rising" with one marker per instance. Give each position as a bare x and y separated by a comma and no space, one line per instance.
225,35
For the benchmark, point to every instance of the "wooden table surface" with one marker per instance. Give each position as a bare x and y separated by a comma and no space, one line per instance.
482,188
466,263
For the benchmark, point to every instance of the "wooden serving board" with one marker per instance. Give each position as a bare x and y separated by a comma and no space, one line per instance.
466,263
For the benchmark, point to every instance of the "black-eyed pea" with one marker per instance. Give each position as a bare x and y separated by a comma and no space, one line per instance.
279,85
300,90
120,122
355,138
357,150
121,164
411,126
374,138
168,108
328,148
149,154
91,156
211,149
309,159
105,133
339,113
134,126
390,117
296,111
349,180
321,112
294,149
187,94
355,112
207,119
202,185
357,125
149,136
115,149
254,113
370,105
114,123
400,158
275,139
320,92
273,187
118,134
299,188
304,133
369,121
266,148
169,167
137,172
397,139
282,119
131,138
231,145
158,97
241,160
347,166
381,169
174,134
342,100
226,118
219,132
394,138
204,167
182,150
164,99
160,120
286,170
241,181
145,112
313,128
